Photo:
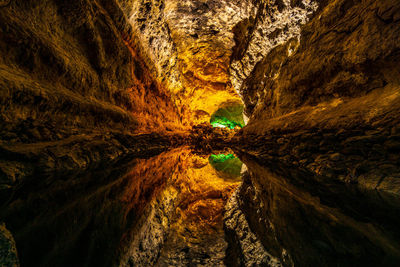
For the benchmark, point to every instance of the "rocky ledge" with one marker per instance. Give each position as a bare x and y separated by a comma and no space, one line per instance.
328,99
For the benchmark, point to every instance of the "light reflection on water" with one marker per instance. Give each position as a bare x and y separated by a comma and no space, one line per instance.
168,210
176,197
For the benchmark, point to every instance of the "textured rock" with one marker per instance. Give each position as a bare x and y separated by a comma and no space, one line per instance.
275,23
85,83
190,44
245,249
332,89
204,137
162,211
91,218
71,81
196,235
153,229
8,250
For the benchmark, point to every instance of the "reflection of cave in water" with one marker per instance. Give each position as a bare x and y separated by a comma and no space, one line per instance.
304,220
181,208
196,234
164,209
227,165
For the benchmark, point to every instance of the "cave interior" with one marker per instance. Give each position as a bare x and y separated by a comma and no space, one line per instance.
199,133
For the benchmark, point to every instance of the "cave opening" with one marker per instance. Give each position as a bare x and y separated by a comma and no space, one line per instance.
227,165
199,133
229,115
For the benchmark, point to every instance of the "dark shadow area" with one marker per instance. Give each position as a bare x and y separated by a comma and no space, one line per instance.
84,218
185,208
306,220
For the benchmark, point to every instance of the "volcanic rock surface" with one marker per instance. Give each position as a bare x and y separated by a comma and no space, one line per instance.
100,86
189,44
328,100
74,91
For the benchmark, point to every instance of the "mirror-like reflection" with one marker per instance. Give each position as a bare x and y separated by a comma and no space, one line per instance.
227,165
84,219
165,209
303,220
184,208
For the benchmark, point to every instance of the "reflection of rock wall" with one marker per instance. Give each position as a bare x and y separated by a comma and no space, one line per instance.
196,235
329,101
309,221
179,199
65,221
244,248
94,217
151,231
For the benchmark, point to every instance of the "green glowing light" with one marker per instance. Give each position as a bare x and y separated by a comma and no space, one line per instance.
220,158
228,166
224,122
229,115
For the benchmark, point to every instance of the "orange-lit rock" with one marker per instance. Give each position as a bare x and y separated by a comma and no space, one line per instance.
110,109
190,43
148,93
75,89
197,227
184,198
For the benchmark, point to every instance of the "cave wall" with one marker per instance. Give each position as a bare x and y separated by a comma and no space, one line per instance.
8,249
189,45
273,23
74,89
327,98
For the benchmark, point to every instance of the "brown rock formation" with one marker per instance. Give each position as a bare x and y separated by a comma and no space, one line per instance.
73,90
8,250
328,100
93,84
189,45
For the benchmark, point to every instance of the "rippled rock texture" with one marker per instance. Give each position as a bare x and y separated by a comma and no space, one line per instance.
189,44
328,99
74,90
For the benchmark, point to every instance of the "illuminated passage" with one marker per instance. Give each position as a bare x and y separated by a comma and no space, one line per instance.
227,166
228,115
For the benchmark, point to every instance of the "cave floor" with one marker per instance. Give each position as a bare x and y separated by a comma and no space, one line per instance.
187,208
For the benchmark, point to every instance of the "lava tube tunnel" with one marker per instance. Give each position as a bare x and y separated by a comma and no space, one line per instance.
228,115
199,133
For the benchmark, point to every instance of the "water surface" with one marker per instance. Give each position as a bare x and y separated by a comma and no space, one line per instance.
184,208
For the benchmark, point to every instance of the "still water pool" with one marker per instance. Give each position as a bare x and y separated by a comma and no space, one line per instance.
186,208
